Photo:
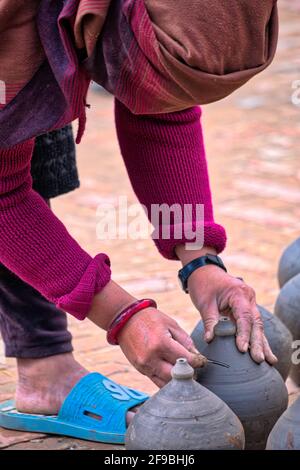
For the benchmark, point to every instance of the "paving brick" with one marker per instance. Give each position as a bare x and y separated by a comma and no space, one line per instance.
9,438
62,443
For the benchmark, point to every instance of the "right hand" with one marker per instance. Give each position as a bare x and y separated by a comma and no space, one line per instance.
152,342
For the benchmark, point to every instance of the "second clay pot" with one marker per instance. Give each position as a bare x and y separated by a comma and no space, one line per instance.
256,393
278,335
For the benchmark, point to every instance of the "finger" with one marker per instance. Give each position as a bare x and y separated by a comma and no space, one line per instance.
153,365
183,338
210,320
158,382
163,371
173,350
270,357
257,343
242,313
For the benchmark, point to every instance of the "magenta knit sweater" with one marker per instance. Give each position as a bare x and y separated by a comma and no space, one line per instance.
165,159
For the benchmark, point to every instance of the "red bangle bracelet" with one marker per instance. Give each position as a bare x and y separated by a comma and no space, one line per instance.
123,317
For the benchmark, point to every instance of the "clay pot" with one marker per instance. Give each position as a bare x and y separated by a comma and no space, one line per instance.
286,433
280,340
279,337
255,392
289,264
183,415
287,308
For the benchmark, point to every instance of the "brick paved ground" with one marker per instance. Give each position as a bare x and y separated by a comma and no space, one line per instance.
253,147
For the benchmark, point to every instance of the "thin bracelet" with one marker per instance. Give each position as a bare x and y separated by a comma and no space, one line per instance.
123,317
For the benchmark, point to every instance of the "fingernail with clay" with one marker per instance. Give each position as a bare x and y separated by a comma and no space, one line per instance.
200,360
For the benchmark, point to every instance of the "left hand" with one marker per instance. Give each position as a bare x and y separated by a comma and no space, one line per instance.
215,292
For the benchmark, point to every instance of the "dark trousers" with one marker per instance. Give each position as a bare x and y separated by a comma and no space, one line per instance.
32,327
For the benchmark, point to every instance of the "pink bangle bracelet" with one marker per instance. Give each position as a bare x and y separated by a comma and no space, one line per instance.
123,317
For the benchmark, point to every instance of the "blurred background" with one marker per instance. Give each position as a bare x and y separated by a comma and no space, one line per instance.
252,141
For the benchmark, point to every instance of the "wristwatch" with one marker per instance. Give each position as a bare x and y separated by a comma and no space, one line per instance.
189,268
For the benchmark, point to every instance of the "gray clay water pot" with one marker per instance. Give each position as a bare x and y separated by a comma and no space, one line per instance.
289,264
287,308
255,392
279,337
183,415
286,433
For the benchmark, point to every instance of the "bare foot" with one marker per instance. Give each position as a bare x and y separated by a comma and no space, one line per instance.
44,383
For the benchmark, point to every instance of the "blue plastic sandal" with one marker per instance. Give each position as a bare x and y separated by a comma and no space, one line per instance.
94,410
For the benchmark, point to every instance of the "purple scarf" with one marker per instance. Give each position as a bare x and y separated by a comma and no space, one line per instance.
140,57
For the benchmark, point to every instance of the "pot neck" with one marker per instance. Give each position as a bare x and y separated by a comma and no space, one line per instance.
225,327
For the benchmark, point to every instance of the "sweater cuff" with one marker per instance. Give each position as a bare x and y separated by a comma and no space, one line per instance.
78,302
214,236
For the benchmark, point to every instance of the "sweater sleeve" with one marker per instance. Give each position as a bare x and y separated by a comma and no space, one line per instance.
36,246
165,159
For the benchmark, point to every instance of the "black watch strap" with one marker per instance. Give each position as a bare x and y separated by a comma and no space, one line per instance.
189,268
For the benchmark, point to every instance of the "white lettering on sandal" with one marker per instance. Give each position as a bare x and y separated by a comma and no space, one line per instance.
122,393
118,392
